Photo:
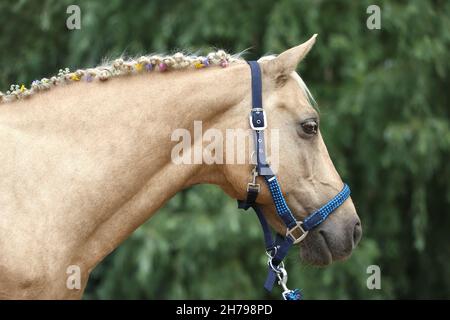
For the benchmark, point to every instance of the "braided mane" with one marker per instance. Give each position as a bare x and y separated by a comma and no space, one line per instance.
119,67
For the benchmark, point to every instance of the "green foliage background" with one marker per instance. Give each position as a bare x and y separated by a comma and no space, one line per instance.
384,100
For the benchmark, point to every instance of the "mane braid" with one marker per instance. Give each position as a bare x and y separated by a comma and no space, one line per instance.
120,67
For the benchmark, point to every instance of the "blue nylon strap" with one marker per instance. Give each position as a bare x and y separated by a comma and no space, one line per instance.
257,114
280,203
270,279
268,239
283,245
317,217
312,221
256,84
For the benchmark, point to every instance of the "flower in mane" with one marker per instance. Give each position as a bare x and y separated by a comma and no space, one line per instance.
119,67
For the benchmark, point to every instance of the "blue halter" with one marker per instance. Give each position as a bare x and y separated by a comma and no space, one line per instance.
277,248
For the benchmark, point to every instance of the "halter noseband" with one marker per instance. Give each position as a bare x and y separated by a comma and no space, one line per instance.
296,230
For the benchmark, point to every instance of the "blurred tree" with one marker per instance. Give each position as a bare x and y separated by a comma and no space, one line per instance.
384,101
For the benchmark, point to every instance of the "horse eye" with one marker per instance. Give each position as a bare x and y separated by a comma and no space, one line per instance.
310,126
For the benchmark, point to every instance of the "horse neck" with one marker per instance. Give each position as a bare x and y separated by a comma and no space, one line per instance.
109,148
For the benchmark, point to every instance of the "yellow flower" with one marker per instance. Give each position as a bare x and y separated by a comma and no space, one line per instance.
22,88
75,77
138,66
198,65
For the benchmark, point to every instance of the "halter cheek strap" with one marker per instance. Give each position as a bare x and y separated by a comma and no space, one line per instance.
278,248
258,120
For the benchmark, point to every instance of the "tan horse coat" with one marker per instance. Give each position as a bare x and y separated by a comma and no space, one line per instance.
82,166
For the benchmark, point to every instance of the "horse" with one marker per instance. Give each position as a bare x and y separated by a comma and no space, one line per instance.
84,165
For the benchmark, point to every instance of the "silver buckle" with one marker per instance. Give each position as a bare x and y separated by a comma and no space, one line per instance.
290,232
253,185
264,119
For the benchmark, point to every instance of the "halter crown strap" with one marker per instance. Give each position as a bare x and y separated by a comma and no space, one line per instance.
277,249
256,84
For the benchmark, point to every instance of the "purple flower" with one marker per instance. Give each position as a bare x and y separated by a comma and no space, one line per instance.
162,67
88,78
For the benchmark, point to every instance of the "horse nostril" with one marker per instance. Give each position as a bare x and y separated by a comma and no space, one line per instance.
357,233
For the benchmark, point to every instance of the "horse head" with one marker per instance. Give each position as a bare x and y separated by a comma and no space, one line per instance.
306,173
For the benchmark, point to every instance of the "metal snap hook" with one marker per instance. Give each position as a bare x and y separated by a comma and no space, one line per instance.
282,278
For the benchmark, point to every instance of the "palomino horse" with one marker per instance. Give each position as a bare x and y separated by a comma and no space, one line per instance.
83,165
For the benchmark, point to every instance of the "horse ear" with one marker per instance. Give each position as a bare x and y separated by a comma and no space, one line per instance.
285,63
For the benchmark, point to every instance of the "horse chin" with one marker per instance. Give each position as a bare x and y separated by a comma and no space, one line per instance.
314,250
321,249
